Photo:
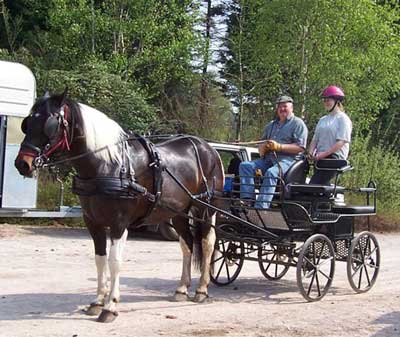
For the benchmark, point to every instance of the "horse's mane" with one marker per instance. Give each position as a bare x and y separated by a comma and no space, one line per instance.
100,132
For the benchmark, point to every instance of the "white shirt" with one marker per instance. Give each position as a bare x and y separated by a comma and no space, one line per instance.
330,129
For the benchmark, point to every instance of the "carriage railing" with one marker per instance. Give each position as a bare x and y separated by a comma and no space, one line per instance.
311,205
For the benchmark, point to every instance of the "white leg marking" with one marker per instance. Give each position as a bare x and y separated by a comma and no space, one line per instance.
102,289
115,262
208,247
186,277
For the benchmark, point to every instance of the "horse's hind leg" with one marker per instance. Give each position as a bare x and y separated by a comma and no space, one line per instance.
100,245
109,312
207,243
186,243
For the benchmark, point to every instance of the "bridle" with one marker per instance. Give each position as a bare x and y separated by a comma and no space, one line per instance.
59,133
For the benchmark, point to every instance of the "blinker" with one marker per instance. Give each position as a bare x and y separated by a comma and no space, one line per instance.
52,126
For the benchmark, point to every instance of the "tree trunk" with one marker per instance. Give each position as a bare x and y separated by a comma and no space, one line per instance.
203,102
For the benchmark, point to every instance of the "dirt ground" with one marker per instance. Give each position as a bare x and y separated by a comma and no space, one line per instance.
47,278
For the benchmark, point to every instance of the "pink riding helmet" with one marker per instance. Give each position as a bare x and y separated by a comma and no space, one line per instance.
334,92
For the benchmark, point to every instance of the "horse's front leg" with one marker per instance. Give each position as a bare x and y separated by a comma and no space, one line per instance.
109,312
100,246
207,242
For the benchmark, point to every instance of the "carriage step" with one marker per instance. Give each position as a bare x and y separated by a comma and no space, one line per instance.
265,218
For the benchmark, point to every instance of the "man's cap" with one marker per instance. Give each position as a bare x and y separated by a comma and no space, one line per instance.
284,99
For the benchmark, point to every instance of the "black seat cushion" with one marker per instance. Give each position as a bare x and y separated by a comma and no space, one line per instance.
332,164
297,172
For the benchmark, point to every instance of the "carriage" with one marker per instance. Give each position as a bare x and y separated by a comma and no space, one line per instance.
309,227
125,180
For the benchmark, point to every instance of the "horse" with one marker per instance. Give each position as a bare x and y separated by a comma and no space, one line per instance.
124,180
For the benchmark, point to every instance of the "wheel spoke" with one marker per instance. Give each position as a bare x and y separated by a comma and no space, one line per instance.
322,252
326,260
357,260
223,255
318,287
307,260
360,250
218,258
372,265
227,270
367,276
276,269
356,270
269,264
372,252
359,279
311,284
220,268
329,278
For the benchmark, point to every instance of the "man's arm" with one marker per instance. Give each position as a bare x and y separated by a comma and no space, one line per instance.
292,148
273,145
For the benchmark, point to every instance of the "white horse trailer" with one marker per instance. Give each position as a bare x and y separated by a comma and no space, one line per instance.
18,194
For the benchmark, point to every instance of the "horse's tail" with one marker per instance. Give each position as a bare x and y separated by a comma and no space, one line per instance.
197,231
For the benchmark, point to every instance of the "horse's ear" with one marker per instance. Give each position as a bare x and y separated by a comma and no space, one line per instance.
64,96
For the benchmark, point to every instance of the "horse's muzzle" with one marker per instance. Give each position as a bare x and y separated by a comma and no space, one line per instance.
24,165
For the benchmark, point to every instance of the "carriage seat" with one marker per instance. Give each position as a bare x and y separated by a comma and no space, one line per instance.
340,165
313,190
354,209
297,172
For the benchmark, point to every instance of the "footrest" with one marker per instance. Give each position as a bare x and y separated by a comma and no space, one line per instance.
265,218
356,210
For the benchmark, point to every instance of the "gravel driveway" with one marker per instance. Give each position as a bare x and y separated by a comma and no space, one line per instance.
47,278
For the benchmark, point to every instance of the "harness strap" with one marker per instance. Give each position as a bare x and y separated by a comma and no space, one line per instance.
209,194
112,187
156,165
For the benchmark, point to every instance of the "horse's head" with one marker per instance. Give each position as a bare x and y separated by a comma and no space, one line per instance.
46,132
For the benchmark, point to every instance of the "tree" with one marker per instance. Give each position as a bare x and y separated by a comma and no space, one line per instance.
299,47
117,98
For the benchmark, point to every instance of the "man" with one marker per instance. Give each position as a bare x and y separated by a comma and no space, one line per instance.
285,136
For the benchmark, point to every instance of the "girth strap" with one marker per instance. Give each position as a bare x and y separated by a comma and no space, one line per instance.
111,187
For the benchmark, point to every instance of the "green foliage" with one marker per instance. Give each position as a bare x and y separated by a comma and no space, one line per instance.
182,104
299,47
381,164
146,41
119,99
50,190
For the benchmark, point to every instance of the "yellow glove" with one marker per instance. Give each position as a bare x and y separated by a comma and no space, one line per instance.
274,146
263,149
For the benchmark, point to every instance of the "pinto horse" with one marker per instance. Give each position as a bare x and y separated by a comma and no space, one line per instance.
124,180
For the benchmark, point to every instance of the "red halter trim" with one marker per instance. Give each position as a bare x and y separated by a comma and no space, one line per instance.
63,143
